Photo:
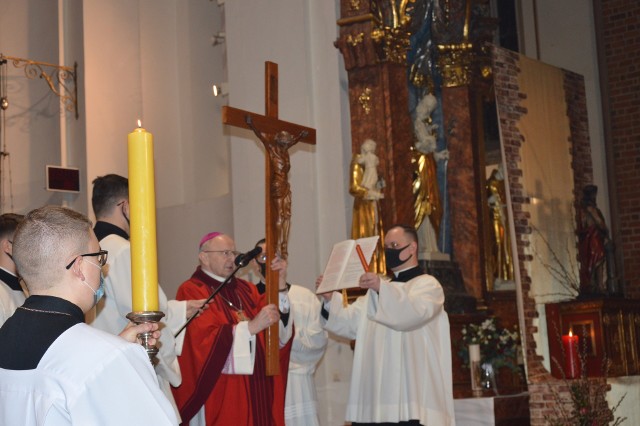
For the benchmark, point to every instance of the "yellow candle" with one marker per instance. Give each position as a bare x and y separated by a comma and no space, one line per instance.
142,202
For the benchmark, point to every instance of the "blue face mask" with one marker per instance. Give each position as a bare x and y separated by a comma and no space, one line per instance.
97,294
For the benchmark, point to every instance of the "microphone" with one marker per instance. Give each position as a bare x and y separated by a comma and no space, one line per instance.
243,259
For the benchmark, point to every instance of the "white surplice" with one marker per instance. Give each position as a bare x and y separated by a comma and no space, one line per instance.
402,360
86,377
116,304
309,343
10,299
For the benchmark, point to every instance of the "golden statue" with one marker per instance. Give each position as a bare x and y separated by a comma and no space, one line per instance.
366,189
499,260
426,194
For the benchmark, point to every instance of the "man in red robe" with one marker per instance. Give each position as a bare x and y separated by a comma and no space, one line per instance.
224,379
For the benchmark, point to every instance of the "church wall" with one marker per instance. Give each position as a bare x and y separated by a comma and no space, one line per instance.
154,60
29,30
309,94
74,151
565,38
621,57
299,37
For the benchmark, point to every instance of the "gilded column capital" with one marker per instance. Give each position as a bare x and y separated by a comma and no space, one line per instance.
455,63
392,44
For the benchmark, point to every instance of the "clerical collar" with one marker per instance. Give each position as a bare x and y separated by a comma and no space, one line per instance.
10,279
408,274
212,275
104,229
54,305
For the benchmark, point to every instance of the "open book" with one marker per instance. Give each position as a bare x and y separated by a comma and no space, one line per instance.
344,267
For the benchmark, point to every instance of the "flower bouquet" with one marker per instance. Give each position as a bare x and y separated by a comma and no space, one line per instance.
498,346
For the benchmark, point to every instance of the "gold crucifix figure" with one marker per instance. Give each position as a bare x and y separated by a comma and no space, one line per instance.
277,136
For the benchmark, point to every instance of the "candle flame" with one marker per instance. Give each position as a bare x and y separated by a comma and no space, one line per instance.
139,123
570,333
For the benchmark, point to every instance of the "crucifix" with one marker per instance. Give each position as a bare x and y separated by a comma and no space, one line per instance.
277,136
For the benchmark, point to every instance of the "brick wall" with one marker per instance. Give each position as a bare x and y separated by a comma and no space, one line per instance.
620,41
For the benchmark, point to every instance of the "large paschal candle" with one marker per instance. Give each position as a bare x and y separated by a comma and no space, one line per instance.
142,202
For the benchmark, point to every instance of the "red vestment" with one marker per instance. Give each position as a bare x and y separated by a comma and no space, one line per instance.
255,399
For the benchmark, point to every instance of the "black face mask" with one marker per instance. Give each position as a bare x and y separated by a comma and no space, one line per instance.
392,257
263,269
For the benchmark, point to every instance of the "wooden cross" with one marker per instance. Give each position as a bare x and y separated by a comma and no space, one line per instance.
277,136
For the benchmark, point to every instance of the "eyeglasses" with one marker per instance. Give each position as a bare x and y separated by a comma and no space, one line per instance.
102,258
225,253
262,258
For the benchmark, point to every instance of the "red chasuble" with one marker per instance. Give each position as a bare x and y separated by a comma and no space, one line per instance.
228,399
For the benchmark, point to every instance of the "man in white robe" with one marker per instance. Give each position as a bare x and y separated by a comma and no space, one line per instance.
402,362
11,293
110,201
54,369
309,344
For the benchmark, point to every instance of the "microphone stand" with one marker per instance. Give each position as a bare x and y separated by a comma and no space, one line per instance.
216,291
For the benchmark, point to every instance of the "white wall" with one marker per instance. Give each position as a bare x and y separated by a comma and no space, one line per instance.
153,60
29,30
299,36
280,31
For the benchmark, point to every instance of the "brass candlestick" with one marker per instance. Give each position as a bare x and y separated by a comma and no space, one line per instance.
142,318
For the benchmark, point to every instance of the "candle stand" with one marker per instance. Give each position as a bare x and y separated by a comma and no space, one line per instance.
143,318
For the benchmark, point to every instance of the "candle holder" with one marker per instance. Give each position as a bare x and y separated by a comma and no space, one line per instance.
143,318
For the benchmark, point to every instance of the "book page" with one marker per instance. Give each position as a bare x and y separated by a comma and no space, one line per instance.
335,266
368,246
354,269
344,267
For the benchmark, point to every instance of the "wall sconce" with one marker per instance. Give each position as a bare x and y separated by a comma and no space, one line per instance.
220,90
218,38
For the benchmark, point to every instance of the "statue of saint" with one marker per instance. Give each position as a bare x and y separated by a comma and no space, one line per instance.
595,248
426,193
499,260
277,147
366,189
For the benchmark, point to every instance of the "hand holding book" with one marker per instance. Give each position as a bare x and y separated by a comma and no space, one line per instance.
345,266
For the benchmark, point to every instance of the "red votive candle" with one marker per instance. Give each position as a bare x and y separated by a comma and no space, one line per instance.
571,356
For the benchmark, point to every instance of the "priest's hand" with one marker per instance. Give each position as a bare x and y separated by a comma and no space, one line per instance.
280,265
194,306
131,331
370,280
267,316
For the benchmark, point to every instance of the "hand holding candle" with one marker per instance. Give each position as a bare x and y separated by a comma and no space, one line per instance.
571,356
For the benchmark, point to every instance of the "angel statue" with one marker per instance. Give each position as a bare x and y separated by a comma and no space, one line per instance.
366,189
426,194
